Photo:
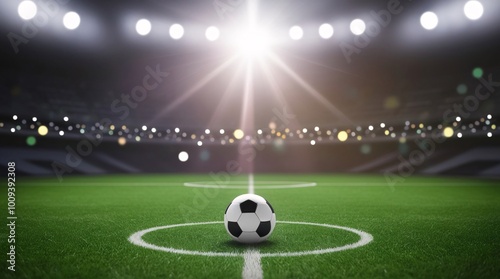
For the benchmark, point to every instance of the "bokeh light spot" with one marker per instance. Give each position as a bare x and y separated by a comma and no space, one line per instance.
342,136
43,130
366,149
31,140
448,132
477,72
183,156
391,102
204,155
462,89
238,134
122,141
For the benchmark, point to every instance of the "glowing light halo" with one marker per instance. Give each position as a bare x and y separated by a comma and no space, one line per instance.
212,33
473,10
252,43
176,31
429,20
143,27
27,10
251,38
296,32
71,20
326,31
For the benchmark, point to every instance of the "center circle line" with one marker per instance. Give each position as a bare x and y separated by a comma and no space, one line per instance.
257,184
136,239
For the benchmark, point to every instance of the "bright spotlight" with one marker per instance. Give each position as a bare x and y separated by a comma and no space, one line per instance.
176,31
71,20
143,27
212,33
429,20
296,33
325,31
253,43
27,10
473,10
358,27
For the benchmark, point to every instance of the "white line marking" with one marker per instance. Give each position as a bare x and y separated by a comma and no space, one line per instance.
251,188
257,184
365,238
252,268
403,184
132,184
136,239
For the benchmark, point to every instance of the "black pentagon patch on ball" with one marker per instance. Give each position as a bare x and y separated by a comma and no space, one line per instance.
248,206
272,209
234,229
264,228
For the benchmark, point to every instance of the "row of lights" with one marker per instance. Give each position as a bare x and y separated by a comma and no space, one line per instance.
473,10
27,10
313,135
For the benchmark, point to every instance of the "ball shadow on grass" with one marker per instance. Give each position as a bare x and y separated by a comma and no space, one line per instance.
236,244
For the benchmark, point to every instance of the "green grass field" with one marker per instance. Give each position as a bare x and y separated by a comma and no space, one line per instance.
422,228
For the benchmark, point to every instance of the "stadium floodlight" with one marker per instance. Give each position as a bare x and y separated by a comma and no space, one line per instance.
253,43
176,31
473,10
71,20
358,27
296,33
27,10
325,31
143,27
212,33
429,20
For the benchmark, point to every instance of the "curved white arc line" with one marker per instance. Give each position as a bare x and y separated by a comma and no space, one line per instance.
235,185
136,239
274,182
365,238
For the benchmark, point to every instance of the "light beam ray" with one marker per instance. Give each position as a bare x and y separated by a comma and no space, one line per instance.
246,120
280,96
313,92
223,100
316,63
276,89
195,88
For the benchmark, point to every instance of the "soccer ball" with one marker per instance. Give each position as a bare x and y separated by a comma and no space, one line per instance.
249,218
